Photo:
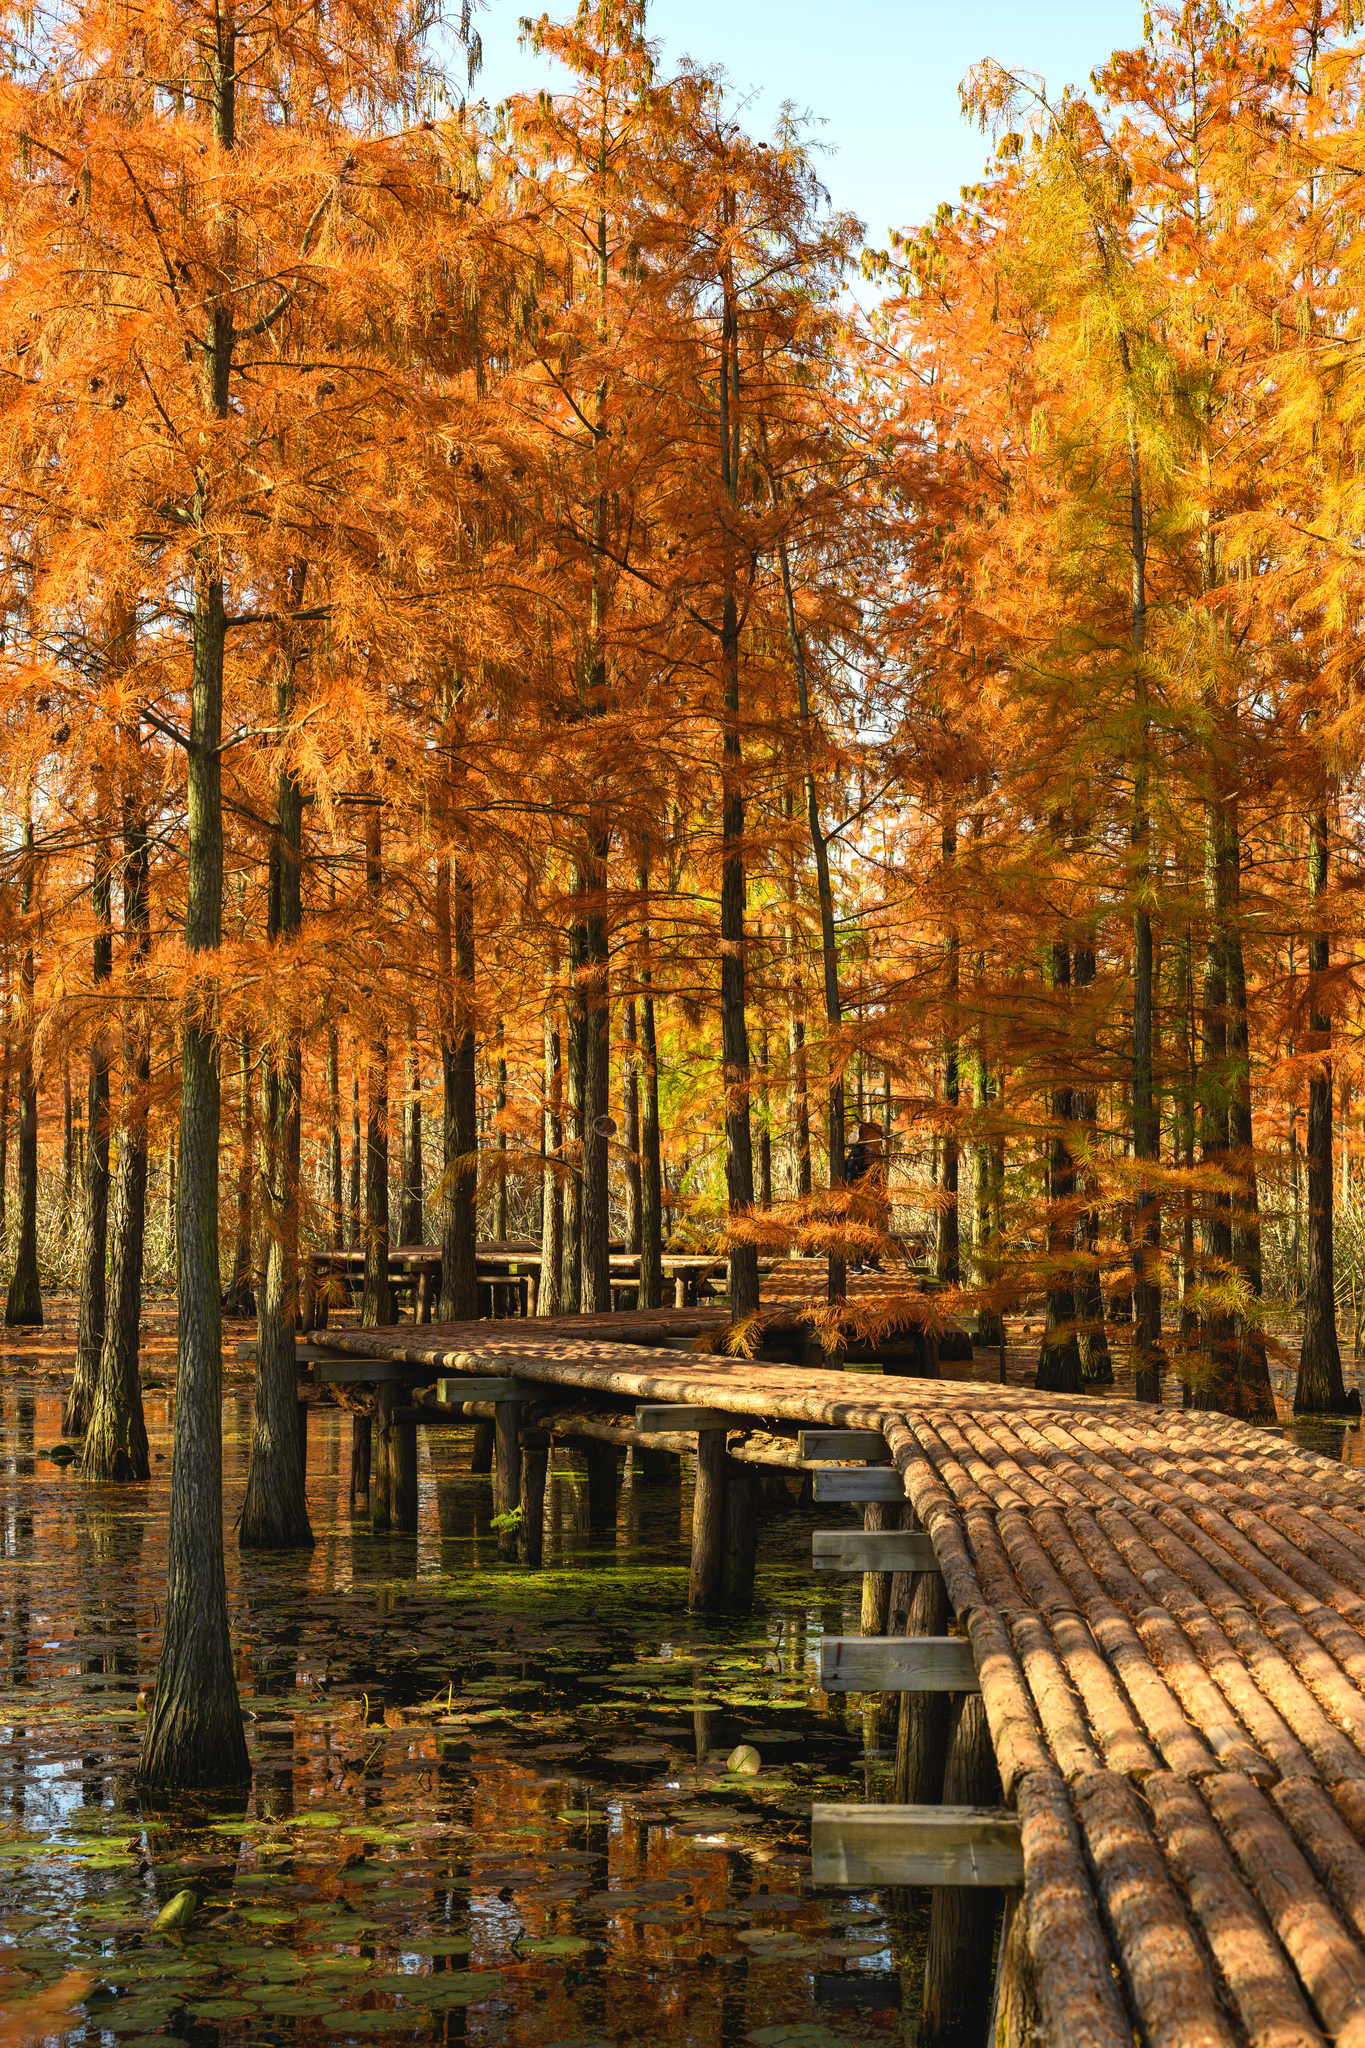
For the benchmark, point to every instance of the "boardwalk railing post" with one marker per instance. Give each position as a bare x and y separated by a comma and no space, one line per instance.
957,1971
481,1455
507,1471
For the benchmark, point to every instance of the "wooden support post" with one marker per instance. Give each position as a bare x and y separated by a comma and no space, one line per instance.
426,1292
655,1468
876,1585
922,1732
601,1463
680,1290
507,1469
957,1971
706,1587
403,1466
741,1535
535,1465
361,1430
481,1456
381,1502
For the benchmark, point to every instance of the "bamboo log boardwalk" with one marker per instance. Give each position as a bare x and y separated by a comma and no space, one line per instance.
1166,1613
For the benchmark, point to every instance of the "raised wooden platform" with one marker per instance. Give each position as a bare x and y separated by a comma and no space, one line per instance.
1166,1616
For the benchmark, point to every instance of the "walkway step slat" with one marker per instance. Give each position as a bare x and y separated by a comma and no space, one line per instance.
873,1550
897,1664
916,1845
838,1445
876,1482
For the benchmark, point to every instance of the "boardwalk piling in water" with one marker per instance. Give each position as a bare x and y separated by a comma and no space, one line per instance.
403,1470
922,1731
481,1455
361,1429
535,1465
381,1503
602,1474
741,1534
957,1971
706,1586
507,1471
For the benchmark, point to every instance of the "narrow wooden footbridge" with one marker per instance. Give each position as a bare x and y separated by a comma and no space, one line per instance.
1128,1646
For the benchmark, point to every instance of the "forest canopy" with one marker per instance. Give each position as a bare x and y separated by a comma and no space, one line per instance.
529,705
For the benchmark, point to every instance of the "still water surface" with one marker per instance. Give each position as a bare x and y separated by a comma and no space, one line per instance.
488,1805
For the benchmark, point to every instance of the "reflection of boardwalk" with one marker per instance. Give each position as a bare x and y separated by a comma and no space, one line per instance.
1166,1614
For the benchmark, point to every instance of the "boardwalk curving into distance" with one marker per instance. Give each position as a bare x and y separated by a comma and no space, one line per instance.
1141,1693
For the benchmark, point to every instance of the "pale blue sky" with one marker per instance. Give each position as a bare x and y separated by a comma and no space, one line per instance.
883,73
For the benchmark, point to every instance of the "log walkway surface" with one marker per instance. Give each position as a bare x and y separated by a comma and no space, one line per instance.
1166,1614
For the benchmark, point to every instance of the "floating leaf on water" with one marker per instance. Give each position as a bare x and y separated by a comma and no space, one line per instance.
222,2008
744,1760
636,1753
178,1913
555,1945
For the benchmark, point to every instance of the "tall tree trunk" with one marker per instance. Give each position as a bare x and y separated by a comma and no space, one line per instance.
1218,1385
275,1509
651,1177
459,1127
170,1198
630,1124
596,1002
576,1050
68,1142
1145,1242
949,1264
116,1441
194,1732
95,1213
1096,1366
499,1106
24,1306
552,1205
376,1304
336,1233
1183,1151
1256,1398
798,1098
1059,1361
828,943
411,1221
354,1232
1319,1388
6,1066
985,1244
765,1132
241,1295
